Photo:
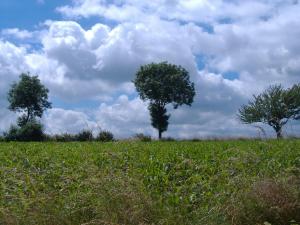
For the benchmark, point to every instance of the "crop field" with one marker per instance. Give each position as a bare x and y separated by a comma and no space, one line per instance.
206,182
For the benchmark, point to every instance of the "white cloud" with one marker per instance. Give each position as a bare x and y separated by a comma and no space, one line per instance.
124,117
59,121
11,65
258,40
15,32
184,10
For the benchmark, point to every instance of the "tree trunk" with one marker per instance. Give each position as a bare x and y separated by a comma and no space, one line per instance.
28,116
278,132
159,134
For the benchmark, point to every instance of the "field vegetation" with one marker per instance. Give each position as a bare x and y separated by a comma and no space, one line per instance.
207,182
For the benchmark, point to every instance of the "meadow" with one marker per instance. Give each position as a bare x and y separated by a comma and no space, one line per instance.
206,182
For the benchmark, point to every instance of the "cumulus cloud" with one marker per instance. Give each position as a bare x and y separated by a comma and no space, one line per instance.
59,121
15,32
185,10
11,63
256,40
101,52
124,117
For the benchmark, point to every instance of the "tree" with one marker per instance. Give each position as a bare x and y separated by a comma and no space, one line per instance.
105,136
31,131
29,97
159,118
84,135
162,84
275,107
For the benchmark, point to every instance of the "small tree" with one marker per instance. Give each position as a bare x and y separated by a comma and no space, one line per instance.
31,131
162,84
105,136
159,117
28,96
84,135
275,107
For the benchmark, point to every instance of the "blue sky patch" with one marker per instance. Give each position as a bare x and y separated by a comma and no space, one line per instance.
27,14
201,61
231,75
69,105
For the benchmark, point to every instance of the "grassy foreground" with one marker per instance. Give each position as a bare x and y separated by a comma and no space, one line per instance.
209,182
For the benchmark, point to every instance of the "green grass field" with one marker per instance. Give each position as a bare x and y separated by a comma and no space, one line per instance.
208,182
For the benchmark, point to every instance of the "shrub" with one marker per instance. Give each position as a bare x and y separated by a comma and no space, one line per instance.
64,137
2,139
85,135
196,140
168,139
105,136
268,202
11,134
142,137
31,131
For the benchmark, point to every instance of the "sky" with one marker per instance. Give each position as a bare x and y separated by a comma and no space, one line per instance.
87,52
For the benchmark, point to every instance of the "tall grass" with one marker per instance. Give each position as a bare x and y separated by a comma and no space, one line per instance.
140,182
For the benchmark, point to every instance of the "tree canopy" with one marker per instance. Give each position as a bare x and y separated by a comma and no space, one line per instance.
28,96
162,84
275,107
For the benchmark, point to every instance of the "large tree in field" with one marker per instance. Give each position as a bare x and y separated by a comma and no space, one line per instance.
275,107
28,96
162,84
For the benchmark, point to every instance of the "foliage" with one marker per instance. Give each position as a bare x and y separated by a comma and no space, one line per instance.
268,202
275,107
28,96
65,137
168,139
142,137
159,117
12,133
2,138
162,84
84,135
31,131
105,136
137,183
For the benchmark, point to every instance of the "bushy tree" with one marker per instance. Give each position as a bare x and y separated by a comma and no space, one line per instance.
29,97
163,84
142,137
65,137
159,117
275,107
11,134
31,131
105,136
84,135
